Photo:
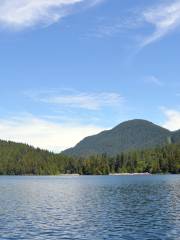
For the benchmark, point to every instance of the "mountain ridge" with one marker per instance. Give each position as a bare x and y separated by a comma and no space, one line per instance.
129,135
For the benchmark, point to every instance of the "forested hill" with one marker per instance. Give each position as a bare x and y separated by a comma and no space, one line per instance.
130,135
21,159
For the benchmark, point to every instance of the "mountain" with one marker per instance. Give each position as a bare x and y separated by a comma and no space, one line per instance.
176,137
22,159
129,135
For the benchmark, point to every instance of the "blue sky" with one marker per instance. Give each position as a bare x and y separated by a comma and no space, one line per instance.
71,68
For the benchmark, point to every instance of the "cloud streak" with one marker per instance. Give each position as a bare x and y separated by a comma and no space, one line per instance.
164,18
154,80
86,101
20,14
78,100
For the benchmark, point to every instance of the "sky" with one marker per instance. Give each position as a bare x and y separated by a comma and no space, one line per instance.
72,68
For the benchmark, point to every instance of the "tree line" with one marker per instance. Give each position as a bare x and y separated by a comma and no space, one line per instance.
21,159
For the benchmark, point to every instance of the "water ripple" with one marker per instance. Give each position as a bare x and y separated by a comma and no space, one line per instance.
86,208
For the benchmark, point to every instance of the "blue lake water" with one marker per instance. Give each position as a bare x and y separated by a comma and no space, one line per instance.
90,207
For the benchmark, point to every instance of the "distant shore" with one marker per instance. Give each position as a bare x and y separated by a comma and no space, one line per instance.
130,174
110,174
69,175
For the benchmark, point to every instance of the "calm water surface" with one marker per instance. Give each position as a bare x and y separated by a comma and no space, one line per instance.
90,208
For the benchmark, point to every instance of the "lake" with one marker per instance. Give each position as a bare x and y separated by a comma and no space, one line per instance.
90,207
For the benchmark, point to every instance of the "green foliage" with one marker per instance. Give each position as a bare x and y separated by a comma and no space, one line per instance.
21,159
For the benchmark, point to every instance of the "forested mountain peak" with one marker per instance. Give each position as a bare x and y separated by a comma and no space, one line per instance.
129,135
137,124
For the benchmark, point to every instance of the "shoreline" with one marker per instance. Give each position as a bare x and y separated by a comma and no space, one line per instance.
69,175
131,174
79,175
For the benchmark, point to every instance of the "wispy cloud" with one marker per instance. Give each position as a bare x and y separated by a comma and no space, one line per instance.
154,80
172,121
113,26
20,14
79,100
44,133
164,18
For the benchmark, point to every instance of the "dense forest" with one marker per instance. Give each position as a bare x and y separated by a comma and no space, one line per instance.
21,159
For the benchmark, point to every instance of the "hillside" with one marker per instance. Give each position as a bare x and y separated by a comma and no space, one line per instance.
130,135
19,159
133,146
176,137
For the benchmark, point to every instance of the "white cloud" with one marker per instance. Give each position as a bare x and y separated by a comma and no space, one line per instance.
20,14
79,100
164,18
43,133
172,121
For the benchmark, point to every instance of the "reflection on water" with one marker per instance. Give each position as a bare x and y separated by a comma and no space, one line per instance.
104,207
